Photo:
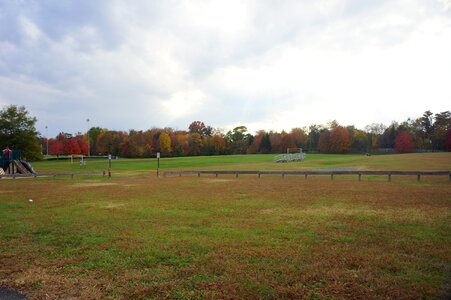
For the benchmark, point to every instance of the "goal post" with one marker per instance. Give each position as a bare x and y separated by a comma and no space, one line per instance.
293,154
294,150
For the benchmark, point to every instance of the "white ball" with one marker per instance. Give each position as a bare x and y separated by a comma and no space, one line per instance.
31,200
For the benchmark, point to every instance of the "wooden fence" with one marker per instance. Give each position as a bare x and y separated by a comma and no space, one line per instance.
312,173
71,174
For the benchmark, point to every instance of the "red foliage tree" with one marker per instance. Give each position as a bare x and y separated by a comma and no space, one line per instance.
71,146
448,140
56,147
83,145
403,142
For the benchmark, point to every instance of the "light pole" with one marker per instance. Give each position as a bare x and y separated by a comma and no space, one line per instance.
47,139
89,152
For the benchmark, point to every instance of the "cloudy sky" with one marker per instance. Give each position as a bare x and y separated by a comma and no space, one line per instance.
264,64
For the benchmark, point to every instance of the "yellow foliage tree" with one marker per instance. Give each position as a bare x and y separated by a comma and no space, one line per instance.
165,143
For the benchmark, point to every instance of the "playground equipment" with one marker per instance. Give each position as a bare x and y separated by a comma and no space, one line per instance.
293,154
11,163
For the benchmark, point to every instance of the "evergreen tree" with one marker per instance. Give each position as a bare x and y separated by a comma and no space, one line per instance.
265,145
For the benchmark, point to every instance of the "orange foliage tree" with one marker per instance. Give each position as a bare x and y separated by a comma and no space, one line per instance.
340,141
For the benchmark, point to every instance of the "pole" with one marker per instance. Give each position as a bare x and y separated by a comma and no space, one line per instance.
87,133
158,164
47,129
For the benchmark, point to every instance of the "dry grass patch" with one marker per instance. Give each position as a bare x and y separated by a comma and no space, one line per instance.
188,237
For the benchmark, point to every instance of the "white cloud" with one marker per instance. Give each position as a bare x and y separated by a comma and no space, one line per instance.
182,103
256,63
30,29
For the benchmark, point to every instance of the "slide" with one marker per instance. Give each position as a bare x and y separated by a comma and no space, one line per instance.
19,167
26,165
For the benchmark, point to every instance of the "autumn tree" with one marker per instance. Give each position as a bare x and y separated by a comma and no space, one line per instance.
56,147
112,142
340,141
275,139
286,142
195,144
219,144
324,141
165,143
200,128
403,142
137,144
299,137
448,140
181,147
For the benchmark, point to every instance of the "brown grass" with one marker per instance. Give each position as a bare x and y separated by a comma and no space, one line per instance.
189,237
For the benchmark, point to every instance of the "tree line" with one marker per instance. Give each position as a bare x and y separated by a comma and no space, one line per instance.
430,132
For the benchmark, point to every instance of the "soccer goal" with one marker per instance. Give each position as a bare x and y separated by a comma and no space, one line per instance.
293,154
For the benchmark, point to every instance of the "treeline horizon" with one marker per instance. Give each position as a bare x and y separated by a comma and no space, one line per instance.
429,132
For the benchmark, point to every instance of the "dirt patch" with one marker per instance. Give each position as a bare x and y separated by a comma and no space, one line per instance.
332,169
93,184
113,205
216,180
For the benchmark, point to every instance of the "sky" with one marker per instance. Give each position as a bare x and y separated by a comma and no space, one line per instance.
265,64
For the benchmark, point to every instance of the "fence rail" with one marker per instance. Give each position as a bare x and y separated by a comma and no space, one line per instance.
308,173
72,174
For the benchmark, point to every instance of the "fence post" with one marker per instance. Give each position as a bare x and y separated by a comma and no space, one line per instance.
198,174
332,176
418,177
236,174
260,174
360,177
389,176
283,175
216,174
305,176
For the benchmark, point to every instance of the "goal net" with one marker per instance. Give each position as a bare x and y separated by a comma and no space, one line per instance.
293,154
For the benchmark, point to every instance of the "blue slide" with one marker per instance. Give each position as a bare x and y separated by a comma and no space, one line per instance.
27,166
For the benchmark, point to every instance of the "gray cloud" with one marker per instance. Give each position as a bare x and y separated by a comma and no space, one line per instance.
149,63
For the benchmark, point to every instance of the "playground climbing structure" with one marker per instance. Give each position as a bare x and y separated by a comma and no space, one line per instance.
12,163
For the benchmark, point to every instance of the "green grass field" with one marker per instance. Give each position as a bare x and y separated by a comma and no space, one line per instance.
143,237
436,161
